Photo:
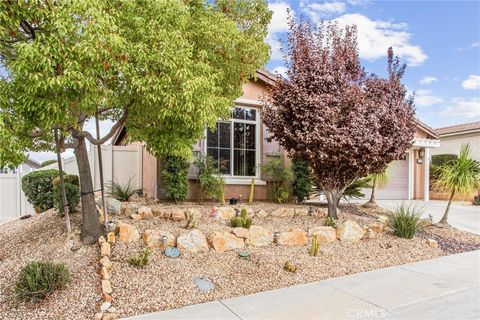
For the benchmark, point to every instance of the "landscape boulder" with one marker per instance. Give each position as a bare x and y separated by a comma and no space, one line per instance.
145,212
114,206
301,212
240,232
258,236
192,242
178,215
224,241
432,243
325,234
153,239
350,231
293,237
283,212
262,213
225,213
376,226
127,232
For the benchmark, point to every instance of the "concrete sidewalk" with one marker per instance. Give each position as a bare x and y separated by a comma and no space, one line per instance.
442,288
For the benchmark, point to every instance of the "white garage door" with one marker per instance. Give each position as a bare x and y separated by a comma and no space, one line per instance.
397,187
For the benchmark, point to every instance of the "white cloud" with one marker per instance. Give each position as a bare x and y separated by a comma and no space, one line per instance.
428,80
278,25
281,70
473,45
425,98
472,83
375,36
317,11
461,107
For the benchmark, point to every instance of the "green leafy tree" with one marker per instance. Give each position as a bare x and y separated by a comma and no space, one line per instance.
165,69
302,179
459,177
175,176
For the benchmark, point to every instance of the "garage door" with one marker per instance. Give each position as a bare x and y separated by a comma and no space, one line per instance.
397,187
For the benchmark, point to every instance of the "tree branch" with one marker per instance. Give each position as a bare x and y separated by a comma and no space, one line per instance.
113,130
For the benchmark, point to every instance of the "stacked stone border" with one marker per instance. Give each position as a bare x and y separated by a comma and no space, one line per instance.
106,310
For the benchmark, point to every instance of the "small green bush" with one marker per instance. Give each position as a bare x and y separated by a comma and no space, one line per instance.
302,180
38,188
141,260
405,220
39,278
121,192
211,183
68,178
330,222
73,197
175,176
278,180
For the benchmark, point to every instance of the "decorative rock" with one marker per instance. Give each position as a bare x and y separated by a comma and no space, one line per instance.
293,237
320,213
104,307
325,234
98,316
193,242
106,287
369,234
113,205
105,262
127,232
145,212
283,212
107,297
240,232
224,241
110,316
111,237
383,219
105,249
301,212
178,215
112,309
204,284
432,243
101,240
262,213
130,209
258,236
136,216
350,231
153,239
225,213
104,273
376,226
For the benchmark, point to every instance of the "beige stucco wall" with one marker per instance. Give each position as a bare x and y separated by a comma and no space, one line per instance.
253,90
452,144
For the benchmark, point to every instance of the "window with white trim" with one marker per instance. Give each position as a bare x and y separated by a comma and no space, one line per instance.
233,144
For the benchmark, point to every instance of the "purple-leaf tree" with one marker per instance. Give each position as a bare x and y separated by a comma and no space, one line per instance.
329,112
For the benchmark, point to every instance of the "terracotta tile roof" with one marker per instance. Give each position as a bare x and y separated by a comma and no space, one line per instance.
459,128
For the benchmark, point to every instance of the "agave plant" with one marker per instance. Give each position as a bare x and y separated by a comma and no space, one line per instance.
121,192
459,177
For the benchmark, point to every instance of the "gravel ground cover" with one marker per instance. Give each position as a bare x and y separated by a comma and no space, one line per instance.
43,237
168,283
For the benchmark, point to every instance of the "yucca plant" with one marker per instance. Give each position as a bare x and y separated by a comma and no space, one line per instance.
459,177
405,220
379,180
38,278
121,192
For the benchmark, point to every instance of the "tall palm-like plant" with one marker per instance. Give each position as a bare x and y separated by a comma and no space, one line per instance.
459,177
379,180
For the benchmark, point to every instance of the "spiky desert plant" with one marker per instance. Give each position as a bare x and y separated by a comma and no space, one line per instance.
191,220
314,248
243,221
252,190
459,177
405,220
121,192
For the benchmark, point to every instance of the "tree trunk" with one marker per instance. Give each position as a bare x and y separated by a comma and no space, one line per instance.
444,219
372,203
91,227
333,196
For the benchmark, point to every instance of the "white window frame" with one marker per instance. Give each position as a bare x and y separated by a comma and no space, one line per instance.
231,178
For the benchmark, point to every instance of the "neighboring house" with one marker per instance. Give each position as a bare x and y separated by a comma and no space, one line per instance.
241,144
13,202
453,137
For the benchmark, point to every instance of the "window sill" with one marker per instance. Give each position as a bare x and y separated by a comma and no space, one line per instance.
244,181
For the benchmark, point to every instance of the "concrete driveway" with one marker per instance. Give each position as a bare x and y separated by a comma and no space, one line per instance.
462,215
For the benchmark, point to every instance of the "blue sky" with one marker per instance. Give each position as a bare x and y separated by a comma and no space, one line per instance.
439,41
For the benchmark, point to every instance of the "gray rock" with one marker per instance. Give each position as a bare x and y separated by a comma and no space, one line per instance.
113,205
105,306
204,284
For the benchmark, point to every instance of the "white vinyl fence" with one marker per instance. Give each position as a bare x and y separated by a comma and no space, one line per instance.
13,202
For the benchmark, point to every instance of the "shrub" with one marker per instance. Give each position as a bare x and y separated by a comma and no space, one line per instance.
175,175
278,180
119,191
39,278
211,183
38,188
72,193
405,220
68,178
330,222
302,180
141,260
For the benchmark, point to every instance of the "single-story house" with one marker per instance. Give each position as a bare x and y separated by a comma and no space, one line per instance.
452,138
241,144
